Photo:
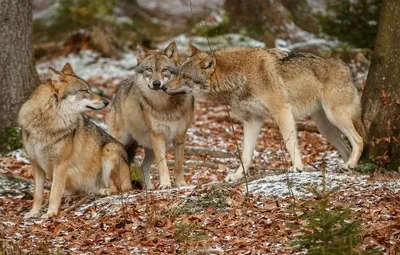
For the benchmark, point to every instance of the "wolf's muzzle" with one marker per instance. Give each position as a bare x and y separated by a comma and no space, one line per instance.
157,85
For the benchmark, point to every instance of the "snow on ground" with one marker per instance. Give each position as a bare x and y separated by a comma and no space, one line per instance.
88,64
215,42
277,185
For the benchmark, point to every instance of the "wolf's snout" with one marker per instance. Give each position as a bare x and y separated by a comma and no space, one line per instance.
156,85
105,102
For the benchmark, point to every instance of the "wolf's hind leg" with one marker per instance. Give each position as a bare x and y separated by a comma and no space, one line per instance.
251,130
331,132
287,125
342,118
39,176
115,170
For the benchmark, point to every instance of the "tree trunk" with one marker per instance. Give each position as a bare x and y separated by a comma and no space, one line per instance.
17,65
381,98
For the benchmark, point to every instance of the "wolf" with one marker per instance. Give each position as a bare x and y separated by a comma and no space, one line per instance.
143,115
259,83
63,145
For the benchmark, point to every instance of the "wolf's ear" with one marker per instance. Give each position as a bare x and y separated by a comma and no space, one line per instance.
209,64
67,69
193,49
142,53
56,76
172,52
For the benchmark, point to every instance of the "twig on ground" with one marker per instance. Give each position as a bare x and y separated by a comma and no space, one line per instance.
79,203
214,153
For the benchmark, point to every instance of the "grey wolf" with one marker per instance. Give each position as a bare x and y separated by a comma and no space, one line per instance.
75,154
258,83
143,115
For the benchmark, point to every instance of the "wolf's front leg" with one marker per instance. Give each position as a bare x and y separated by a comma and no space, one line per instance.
251,130
158,144
39,176
57,190
147,162
179,157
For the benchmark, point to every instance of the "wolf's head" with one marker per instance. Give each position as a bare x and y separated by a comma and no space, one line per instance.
74,94
157,67
194,74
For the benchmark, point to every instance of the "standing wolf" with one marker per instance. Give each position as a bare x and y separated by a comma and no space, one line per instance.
66,147
260,82
142,114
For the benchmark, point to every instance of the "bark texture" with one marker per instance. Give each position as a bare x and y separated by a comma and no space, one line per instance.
17,67
381,98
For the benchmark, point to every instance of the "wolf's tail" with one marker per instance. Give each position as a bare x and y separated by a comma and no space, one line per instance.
360,128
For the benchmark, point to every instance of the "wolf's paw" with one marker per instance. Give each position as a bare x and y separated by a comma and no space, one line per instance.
165,183
179,183
294,169
105,192
149,186
49,214
308,168
68,199
165,186
347,166
235,176
31,215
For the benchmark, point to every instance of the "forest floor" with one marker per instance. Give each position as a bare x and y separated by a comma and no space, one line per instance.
208,216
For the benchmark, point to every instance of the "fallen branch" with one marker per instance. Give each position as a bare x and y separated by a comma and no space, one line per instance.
214,153
79,203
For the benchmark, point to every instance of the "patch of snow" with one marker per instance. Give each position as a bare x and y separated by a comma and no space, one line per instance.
216,42
112,204
181,8
298,39
20,156
277,185
88,63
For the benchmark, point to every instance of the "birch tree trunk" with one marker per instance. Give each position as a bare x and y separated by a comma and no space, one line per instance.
381,97
18,76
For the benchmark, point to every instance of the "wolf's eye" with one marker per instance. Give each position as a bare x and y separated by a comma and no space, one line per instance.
165,70
149,70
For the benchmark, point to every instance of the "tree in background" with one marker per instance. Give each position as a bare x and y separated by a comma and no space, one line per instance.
352,21
381,97
17,68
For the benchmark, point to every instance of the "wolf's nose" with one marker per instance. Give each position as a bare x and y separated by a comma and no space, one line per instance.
156,84
105,102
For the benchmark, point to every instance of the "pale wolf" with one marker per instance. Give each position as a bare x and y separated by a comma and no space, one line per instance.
142,114
259,82
63,145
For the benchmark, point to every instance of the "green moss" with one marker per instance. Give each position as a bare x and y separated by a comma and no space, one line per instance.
216,198
352,21
14,139
136,174
214,29
366,167
188,232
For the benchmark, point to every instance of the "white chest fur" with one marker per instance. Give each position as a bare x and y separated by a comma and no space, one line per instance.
168,129
40,154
